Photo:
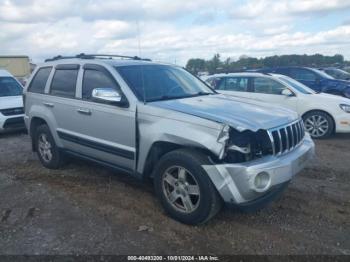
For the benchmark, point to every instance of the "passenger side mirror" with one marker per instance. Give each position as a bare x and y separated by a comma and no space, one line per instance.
287,92
109,95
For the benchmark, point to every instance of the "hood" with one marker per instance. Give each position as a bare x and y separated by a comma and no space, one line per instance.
10,102
329,98
239,113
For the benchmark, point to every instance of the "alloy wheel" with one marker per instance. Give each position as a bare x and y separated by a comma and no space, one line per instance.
181,189
317,125
44,147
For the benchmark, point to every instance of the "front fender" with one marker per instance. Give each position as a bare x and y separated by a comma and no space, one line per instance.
162,129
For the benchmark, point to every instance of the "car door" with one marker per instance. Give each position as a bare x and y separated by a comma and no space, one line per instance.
307,77
98,130
234,85
270,91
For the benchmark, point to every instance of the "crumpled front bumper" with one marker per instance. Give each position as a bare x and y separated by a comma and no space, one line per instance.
236,182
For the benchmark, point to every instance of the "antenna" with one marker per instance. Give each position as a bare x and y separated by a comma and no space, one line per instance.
138,37
139,47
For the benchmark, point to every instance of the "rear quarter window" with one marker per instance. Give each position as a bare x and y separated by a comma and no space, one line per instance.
64,83
39,81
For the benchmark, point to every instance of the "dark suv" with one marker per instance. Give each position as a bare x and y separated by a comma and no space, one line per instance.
313,78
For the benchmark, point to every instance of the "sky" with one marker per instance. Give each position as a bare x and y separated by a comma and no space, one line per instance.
176,30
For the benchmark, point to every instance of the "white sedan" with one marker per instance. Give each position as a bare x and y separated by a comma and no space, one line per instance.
323,114
11,103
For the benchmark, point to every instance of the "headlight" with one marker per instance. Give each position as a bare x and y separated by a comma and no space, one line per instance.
345,108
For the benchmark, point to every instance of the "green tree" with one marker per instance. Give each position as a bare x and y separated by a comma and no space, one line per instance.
196,65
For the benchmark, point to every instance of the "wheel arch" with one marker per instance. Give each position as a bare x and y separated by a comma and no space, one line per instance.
160,148
35,123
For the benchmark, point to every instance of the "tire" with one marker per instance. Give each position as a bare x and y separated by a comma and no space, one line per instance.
319,124
41,136
196,187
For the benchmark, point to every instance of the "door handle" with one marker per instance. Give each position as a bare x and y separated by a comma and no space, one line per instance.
84,111
48,104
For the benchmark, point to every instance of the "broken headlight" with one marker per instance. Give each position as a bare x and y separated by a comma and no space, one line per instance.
247,145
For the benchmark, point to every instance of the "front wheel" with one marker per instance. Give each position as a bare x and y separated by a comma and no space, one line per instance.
184,188
319,124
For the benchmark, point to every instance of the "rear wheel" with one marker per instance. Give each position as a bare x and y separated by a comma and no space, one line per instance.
184,188
48,153
319,124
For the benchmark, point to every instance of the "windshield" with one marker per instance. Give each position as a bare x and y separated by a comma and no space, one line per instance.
338,73
10,87
321,73
162,82
296,85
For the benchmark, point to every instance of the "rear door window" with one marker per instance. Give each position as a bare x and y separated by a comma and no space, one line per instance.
64,83
239,84
39,81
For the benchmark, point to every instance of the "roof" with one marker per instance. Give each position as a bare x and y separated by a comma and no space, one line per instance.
251,74
102,61
4,73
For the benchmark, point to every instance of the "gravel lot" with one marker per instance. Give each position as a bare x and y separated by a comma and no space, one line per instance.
86,209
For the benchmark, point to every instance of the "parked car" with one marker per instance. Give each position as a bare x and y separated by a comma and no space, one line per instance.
317,80
323,114
336,73
11,103
158,121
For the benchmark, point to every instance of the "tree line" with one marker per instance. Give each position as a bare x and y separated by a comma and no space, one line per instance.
217,65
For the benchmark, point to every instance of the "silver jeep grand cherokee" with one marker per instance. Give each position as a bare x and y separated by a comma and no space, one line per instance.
158,121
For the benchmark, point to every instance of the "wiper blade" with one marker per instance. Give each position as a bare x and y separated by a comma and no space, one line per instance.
161,98
204,93
166,97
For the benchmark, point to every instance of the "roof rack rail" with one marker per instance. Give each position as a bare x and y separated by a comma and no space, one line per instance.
94,56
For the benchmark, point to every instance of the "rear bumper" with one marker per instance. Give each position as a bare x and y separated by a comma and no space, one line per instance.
237,185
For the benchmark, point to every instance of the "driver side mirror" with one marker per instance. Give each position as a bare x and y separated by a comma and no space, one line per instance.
108,95
287,92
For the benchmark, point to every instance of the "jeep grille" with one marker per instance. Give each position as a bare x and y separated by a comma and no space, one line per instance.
286,138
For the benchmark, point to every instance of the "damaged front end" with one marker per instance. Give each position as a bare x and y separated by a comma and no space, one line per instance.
254,164
243,146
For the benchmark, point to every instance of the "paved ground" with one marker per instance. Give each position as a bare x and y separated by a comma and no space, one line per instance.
86,209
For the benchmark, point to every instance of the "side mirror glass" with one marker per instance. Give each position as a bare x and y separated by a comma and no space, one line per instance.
107,94
287,92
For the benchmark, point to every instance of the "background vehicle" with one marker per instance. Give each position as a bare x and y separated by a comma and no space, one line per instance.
336,73
11,103
323,114
159,121
313,78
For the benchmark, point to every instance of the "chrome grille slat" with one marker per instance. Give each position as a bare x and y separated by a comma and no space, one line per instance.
286,138
273,143
280,140
292,136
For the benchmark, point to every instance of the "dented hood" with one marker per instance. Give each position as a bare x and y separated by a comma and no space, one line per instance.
239,113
